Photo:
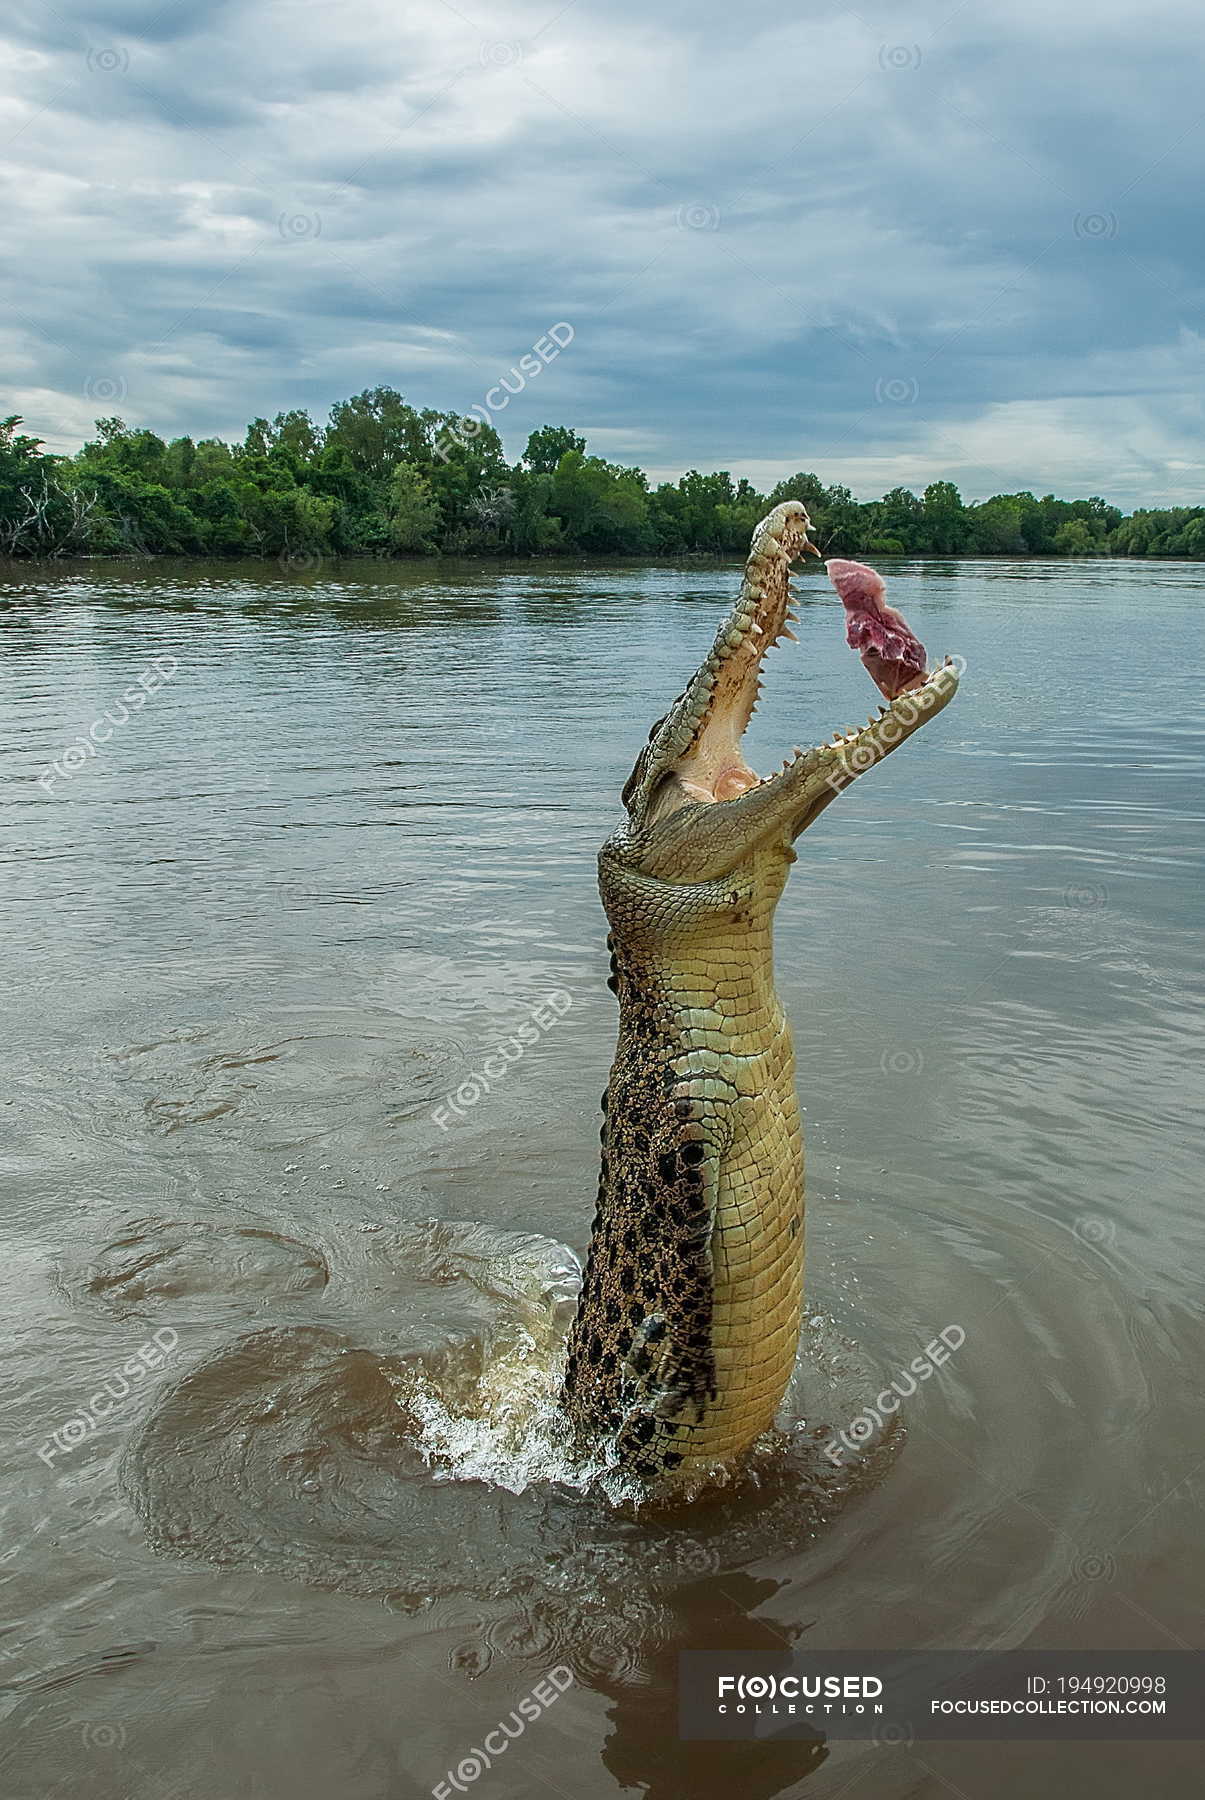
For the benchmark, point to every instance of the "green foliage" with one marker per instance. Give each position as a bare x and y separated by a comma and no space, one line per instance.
382,478
20,463
414,515
1075,539
602,507
470,464
40,514
944,520
378,429
546,447
999,526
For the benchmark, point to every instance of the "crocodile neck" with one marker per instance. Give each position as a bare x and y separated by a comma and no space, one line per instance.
688,1321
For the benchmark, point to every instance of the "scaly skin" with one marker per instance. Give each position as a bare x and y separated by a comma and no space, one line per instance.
688,1321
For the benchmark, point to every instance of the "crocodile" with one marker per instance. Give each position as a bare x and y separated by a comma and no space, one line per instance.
689,1314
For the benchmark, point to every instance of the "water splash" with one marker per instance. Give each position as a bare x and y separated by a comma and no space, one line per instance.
438,1468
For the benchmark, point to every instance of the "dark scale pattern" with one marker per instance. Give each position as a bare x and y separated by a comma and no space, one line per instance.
640,1350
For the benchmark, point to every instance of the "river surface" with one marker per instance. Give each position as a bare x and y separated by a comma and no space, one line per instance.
260,938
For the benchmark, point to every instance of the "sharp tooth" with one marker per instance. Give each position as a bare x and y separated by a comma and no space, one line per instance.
788,633
836,737
756,628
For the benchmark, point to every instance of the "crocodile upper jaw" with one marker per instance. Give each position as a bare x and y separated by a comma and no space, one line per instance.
701,759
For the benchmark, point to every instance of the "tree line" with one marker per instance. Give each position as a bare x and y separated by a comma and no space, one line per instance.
383,478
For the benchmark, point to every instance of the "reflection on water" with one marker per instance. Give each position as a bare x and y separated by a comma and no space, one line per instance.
259,935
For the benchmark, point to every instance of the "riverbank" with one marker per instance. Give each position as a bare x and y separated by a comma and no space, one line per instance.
380,479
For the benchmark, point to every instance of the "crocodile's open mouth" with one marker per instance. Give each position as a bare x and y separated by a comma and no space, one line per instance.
726,689
694,756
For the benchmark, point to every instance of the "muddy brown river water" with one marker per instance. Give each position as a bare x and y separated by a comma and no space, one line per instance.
285,1272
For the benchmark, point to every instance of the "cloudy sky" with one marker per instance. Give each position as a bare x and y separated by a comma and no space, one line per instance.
890,244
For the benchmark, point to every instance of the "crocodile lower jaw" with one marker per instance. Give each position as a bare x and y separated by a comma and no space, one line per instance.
851,750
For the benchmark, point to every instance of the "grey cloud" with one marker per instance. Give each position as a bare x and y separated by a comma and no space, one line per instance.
875,245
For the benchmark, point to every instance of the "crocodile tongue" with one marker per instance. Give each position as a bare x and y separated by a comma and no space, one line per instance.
891,654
